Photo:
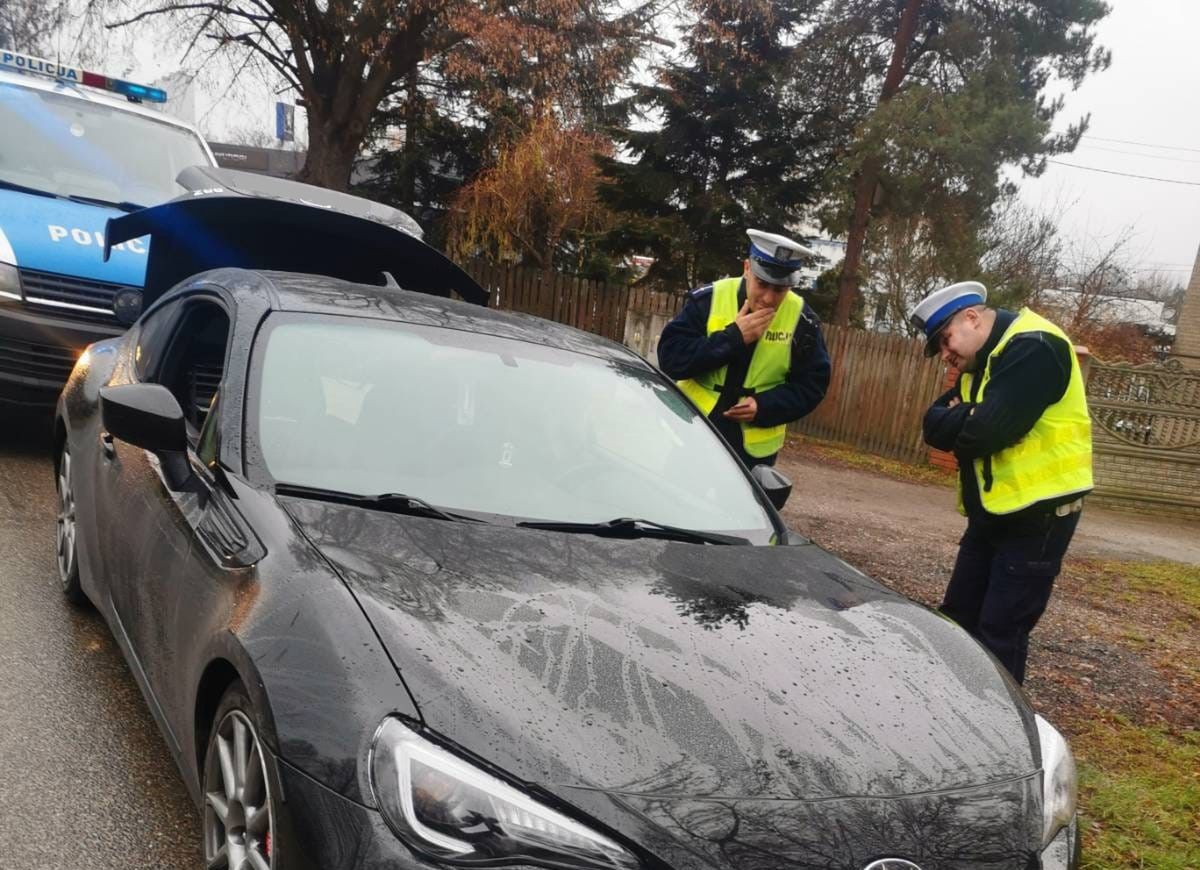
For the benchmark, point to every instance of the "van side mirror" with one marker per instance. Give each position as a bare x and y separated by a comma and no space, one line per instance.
148,416
775,484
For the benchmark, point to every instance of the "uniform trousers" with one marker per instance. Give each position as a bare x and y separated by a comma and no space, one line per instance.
1003,578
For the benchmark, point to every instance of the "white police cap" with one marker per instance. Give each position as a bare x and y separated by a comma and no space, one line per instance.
935,310
776,259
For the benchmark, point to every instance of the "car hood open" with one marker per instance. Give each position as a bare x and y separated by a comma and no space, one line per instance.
655,668
232,218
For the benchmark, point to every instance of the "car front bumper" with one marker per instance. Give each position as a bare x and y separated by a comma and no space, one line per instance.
322,830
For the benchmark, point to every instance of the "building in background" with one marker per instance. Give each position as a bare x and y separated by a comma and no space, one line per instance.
275,162
830,253
1187,332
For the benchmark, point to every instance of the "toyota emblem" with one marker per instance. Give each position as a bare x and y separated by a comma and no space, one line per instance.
891,864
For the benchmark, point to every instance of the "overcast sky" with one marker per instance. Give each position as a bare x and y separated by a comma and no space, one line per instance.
1150,95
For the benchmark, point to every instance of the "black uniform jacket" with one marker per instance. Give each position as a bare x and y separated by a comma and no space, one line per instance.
1030,375
685,350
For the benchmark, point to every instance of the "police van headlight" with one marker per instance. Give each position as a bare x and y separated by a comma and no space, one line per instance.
1058,781
10,279
10,282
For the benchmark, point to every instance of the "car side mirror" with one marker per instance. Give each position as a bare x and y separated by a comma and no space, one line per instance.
775,484
148,416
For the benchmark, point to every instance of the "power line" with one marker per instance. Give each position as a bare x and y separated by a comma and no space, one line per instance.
1125,174
1138,154
1143,144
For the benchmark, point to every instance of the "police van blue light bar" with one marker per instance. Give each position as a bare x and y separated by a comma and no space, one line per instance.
27,63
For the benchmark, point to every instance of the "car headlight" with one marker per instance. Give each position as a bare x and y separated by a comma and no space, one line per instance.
1058,781
451,810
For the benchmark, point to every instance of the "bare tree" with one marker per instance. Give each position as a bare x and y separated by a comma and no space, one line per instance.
1016,253
1021,251
345,57
1164,287
26,25
1096,301
902,266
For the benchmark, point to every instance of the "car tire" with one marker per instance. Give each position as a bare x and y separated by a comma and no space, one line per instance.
67,532
239,789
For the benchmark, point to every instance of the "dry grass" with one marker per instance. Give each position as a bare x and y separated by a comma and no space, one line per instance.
851,457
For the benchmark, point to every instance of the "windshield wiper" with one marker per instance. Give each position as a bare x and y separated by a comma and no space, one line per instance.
123,205
392,502
21,188
628,527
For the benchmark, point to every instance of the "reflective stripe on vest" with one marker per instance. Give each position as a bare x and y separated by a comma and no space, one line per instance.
768,366
1055,457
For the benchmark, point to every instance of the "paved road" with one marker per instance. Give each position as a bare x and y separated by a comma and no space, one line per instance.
85,779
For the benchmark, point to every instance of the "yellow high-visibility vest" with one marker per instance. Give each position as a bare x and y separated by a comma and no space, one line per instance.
1055,457
768,366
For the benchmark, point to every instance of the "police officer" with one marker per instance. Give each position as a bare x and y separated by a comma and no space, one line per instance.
1017,421
748,351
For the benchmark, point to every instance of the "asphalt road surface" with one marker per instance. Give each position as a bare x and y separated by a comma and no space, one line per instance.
86,781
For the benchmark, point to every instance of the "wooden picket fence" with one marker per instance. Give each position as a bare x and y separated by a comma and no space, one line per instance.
646,301
878,394
593,306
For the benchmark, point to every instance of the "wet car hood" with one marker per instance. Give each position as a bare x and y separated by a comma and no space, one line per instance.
655,668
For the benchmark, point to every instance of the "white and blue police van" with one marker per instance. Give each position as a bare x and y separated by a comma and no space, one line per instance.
76,148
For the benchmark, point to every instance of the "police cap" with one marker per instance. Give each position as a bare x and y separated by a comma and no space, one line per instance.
776,259
934,311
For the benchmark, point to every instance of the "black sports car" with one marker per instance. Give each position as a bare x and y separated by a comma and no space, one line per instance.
411,583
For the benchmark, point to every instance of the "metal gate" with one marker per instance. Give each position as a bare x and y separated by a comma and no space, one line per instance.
1146,435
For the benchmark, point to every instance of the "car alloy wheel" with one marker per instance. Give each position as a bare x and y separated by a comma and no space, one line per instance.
237,797
66,531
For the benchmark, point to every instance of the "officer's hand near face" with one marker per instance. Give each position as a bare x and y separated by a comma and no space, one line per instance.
743,411
752,324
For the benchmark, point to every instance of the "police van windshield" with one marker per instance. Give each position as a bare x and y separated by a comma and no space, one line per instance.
64,146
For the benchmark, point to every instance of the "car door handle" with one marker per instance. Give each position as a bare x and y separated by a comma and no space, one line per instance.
106,445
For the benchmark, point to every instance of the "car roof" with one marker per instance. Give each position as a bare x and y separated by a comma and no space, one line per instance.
94,95
318,294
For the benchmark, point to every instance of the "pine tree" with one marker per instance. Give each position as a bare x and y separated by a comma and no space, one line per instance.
949,93
740,145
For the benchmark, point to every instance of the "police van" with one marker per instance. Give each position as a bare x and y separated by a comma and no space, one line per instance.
76,148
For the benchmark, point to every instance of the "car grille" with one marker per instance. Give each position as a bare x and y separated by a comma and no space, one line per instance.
41,361
60,291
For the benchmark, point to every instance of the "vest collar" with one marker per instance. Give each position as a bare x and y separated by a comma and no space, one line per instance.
1004,319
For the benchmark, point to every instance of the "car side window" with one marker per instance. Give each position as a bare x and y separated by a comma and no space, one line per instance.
206,447
193,361
153,332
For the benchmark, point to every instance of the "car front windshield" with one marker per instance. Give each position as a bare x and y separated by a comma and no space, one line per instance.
66,146
472,422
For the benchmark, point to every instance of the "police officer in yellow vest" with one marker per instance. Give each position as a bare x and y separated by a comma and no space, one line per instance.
747,350
1017,421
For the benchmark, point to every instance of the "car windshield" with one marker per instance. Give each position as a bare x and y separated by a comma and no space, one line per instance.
477,423
67,146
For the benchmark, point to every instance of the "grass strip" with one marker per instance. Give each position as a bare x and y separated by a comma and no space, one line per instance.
1140,796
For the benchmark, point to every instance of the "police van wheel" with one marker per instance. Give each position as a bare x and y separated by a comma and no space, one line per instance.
66,532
